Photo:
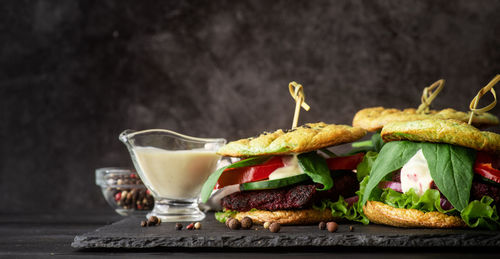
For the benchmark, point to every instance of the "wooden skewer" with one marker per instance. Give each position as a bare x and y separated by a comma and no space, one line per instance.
428,96
483,91
297,93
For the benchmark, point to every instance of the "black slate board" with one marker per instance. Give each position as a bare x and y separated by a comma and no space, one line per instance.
127,233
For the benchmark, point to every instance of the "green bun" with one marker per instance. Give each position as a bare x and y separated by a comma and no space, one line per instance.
452,132
373,119
306,138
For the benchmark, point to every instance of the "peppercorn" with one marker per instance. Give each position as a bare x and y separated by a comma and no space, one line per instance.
351,228
275,227
266,225
332,226
246,223
144,223
227,221
234,224
178,226
154,219
322,225
197,225
190,226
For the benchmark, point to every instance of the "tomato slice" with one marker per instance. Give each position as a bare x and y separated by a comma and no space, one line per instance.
484,167
487,171
249,173
345,162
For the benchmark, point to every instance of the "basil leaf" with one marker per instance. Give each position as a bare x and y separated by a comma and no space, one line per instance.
378,142
363,169
209,185
451,168
315,167
392,156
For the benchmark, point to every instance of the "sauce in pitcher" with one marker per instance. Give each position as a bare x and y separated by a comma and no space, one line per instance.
175,174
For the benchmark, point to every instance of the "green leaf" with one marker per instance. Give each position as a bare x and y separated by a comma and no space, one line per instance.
374,144
363,169
451,168
209,185
315,167
366,143
222,216
392,157
429,201
481,214
328,152
341,209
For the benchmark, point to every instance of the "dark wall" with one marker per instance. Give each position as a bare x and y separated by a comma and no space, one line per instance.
74,74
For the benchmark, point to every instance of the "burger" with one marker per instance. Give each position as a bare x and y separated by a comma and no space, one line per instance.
288,177
434,173
374,118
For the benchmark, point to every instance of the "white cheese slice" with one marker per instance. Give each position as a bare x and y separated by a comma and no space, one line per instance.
415,174
291,168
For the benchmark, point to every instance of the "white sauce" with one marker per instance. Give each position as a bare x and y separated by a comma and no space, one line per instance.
291,168
415,174
175,174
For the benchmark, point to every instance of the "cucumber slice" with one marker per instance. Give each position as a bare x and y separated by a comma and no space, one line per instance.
274,184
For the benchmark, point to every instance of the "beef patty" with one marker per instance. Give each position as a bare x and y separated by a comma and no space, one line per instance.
291,197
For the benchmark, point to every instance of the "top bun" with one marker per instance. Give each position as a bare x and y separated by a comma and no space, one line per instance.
373,119
306,138
452,132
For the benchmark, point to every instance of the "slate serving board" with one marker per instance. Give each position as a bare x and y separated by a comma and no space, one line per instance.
128,233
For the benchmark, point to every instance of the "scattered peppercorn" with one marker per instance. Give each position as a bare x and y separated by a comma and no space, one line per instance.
266,225
178,226
246,223
234,224
154,219
322,225
197,225
332,226
275,227
144,223
227,221
190,226
351,228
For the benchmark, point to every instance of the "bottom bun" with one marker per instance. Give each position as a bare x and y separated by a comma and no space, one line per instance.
287,217
380,213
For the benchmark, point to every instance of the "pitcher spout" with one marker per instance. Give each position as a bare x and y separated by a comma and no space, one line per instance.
125,136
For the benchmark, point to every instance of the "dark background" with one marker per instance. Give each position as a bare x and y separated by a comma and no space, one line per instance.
74,74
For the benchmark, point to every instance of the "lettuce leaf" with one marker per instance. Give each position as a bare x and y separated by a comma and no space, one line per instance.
477,214
481,214
224,215
341,209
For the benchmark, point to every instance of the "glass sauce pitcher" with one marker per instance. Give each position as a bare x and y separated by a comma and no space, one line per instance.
173,167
